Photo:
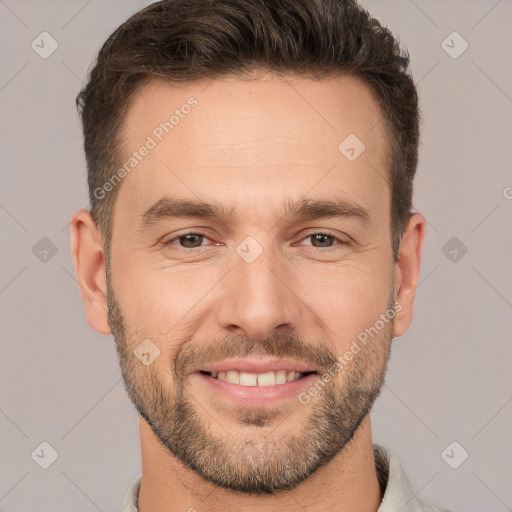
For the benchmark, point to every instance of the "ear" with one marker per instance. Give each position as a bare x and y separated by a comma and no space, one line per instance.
407,270
89,260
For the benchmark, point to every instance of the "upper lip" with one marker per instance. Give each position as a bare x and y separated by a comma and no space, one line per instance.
257,366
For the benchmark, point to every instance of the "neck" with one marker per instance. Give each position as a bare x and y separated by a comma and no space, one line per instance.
348,482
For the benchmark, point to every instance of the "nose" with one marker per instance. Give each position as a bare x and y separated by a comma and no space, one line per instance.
258,299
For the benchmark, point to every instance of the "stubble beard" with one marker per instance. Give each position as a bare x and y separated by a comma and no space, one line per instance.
259,455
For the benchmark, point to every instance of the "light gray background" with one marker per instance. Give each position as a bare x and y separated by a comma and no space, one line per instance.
449,377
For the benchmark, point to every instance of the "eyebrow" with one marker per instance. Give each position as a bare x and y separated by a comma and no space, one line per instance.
304,209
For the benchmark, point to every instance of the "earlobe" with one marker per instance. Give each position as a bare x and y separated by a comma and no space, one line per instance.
407,270
89,261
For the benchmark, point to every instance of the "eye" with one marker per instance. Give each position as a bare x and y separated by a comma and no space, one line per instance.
190,240
194,240
324,240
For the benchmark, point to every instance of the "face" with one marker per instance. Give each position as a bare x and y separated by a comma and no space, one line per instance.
268,286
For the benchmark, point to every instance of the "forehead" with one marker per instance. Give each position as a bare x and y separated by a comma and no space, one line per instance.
255,141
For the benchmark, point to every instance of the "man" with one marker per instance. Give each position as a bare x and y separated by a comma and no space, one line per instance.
251,247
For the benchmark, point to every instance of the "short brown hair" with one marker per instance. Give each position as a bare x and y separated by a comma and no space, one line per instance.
187,40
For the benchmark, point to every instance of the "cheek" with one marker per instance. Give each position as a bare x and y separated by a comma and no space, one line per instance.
348,299
166,303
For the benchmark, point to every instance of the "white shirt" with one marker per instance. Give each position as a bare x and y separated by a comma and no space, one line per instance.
398,495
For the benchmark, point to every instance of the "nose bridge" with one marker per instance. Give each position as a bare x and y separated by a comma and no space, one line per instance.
256,298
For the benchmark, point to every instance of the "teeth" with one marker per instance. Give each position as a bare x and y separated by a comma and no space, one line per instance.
281,377
247,379
233,377
267,379
258,379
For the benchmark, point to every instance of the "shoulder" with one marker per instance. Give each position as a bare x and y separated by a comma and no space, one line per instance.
131,498
398,493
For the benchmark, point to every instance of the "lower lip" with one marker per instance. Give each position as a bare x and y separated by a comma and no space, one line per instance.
254,395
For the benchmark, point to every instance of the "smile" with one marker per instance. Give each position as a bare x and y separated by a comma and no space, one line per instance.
271,378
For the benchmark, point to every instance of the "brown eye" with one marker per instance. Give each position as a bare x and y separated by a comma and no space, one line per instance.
322,240
325,240
191,240
186,241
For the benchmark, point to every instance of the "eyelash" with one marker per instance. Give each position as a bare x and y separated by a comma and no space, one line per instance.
309,235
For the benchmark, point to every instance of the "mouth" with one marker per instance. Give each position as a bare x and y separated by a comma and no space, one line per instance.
271,378
256,385
256,382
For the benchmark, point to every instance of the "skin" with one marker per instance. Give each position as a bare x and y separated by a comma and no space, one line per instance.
254,144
